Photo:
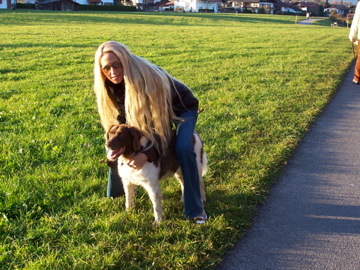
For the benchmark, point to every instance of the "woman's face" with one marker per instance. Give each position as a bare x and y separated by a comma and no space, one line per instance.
112,67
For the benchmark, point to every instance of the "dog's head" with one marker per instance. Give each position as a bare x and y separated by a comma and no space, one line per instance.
122,140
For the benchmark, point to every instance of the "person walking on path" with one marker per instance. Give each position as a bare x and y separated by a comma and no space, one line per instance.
354,37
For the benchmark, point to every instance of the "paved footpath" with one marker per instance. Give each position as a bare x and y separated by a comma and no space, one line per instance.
308,21
311,219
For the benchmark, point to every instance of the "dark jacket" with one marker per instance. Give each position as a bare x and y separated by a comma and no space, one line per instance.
182,98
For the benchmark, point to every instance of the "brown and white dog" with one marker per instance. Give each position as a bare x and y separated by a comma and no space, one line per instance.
123,142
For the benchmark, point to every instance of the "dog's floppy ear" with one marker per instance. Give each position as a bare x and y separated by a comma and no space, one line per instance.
107,137
136,137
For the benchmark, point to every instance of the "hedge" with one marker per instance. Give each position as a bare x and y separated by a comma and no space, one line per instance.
25,6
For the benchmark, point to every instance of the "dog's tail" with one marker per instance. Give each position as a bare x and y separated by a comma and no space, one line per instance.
201,154
204,163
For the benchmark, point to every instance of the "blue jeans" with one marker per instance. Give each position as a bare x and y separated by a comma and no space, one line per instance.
187,160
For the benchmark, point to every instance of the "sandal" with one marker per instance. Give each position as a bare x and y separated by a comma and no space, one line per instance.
200,219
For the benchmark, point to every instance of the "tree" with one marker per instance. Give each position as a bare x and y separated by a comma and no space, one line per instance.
321,10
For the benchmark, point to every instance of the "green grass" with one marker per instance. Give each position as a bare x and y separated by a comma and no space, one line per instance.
262,80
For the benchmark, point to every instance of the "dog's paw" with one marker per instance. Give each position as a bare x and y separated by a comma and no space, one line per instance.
129,206
156,223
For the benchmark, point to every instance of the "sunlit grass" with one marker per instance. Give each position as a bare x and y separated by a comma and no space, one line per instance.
261,79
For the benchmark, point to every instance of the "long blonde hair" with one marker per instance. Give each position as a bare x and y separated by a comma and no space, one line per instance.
148,103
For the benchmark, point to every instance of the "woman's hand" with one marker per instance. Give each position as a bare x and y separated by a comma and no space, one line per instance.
138,161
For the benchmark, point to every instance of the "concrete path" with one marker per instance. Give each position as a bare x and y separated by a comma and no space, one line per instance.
308,21
311,219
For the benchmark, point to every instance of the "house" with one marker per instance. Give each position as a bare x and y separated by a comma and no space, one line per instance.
197,5
242,5
166,6
63,5
352,9
306,6
268,6
7,4
339,9
285,8
154,5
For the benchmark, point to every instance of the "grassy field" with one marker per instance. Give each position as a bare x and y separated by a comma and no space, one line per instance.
262,80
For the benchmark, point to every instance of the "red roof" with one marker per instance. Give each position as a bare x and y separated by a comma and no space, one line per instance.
166,3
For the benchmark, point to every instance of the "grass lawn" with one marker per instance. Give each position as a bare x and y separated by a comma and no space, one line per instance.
262,80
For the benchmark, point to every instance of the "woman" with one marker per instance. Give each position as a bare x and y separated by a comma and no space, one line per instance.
354,36
131,90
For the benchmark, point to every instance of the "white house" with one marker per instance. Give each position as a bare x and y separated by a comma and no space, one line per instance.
196,5
154,5
269,6
290,9
7,4
245,4
253,5
339,9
